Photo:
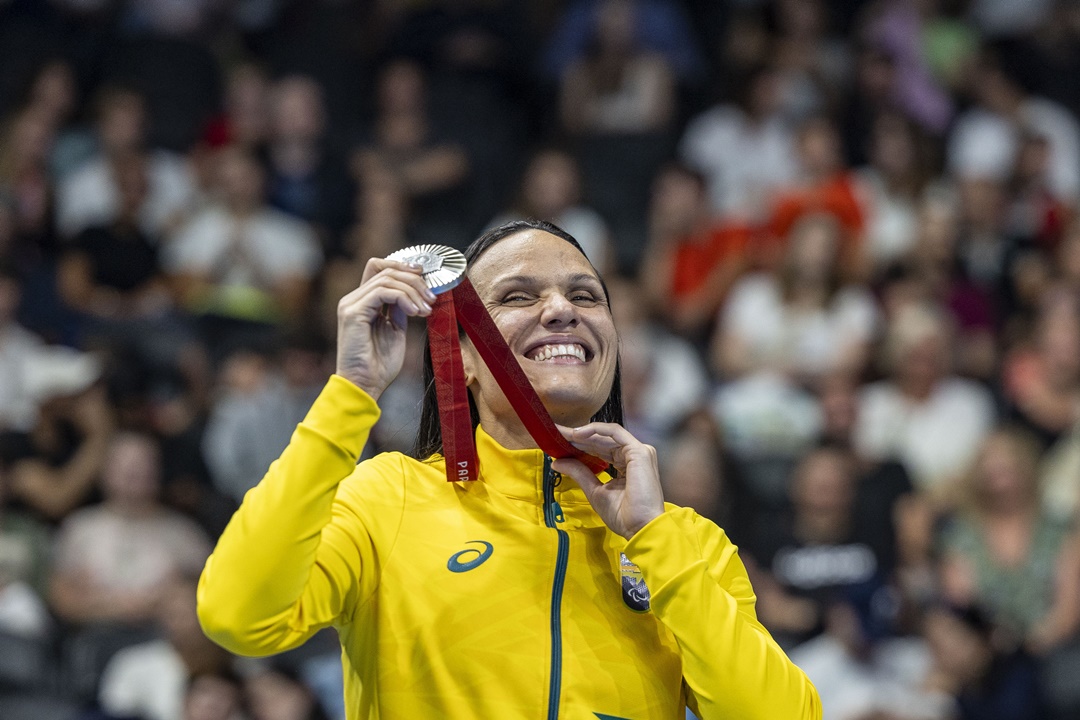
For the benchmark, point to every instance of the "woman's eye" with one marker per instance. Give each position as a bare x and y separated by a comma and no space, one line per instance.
583,297
515,297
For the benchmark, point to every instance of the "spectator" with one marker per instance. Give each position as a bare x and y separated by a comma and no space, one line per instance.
890,188
968,665
109,275
1042,379
665,379
53,465
243,261
24,547
1003,553
825,186
406,149
802,321
816,554
54,91
113,560
618,86
986,139
921,414
933,274
214,696
246,112
260,405
90,196
745,149
305,177
660,26
150,680
18,348
551,190
275,694
691,260
25,144
697,472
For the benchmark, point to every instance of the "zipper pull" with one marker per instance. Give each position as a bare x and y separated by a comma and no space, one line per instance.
556,512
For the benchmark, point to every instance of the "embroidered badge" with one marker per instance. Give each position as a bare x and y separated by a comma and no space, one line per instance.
635,593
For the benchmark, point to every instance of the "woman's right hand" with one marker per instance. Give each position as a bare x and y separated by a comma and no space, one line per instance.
372,321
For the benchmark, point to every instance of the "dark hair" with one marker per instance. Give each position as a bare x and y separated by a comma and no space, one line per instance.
429,435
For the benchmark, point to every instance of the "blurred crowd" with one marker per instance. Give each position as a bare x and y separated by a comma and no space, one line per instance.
843,249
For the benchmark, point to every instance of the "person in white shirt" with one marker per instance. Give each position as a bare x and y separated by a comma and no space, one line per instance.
241,258
922,415
90,195
745,149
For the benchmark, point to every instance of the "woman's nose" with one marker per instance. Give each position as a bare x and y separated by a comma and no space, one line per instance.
558,311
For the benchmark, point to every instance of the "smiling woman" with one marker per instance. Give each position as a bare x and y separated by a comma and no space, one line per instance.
539,590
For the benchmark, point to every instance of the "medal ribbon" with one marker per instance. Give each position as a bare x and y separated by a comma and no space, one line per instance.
463,306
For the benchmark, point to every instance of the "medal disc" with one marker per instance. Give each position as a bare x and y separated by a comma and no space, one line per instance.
443,267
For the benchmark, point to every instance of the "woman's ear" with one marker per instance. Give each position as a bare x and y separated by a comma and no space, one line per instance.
468,361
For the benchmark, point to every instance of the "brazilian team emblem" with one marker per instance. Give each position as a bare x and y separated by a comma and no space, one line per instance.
635,593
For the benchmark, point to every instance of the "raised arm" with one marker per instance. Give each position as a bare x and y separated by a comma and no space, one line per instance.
292,560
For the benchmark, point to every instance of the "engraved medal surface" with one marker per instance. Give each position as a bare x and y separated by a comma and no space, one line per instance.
442,266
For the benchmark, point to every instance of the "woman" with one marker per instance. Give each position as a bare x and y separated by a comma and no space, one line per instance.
522,594
800,320
1010,556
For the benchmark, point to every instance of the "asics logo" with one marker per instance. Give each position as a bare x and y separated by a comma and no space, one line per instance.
469,558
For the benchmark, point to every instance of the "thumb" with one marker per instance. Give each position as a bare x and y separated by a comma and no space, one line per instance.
577,470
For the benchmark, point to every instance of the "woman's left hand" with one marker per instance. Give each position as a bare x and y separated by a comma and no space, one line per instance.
628,502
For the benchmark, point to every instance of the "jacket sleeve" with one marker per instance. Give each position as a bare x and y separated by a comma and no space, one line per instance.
292,559
699,589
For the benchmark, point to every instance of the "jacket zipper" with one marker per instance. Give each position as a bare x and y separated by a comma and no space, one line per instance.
553,514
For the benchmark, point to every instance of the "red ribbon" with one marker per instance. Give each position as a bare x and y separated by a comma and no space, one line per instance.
462,305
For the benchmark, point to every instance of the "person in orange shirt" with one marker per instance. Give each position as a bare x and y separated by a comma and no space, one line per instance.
692,259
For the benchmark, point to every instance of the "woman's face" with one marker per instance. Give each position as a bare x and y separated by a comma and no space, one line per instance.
1002,473
547,301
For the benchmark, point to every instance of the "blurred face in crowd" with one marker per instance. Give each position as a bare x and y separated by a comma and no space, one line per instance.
54,90
1005,477
122,122
812,248
247,104
132,474
692,473
547,301
839,406
937,232
401,88
240,180
1058,340
210,697
679,198
31,138
273,696
824,485
615,23
819,148
551,184
297,109
893,147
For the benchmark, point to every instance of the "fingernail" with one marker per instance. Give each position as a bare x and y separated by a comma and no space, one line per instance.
415,266
427,307
429,295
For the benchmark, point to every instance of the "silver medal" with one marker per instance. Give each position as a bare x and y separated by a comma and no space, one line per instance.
443,267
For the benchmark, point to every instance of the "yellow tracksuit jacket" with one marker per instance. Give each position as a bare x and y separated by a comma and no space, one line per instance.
506,597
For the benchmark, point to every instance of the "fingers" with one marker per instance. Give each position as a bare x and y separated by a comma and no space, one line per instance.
390,286
609,441
577,470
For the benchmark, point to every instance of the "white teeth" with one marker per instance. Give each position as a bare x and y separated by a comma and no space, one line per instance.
553,351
